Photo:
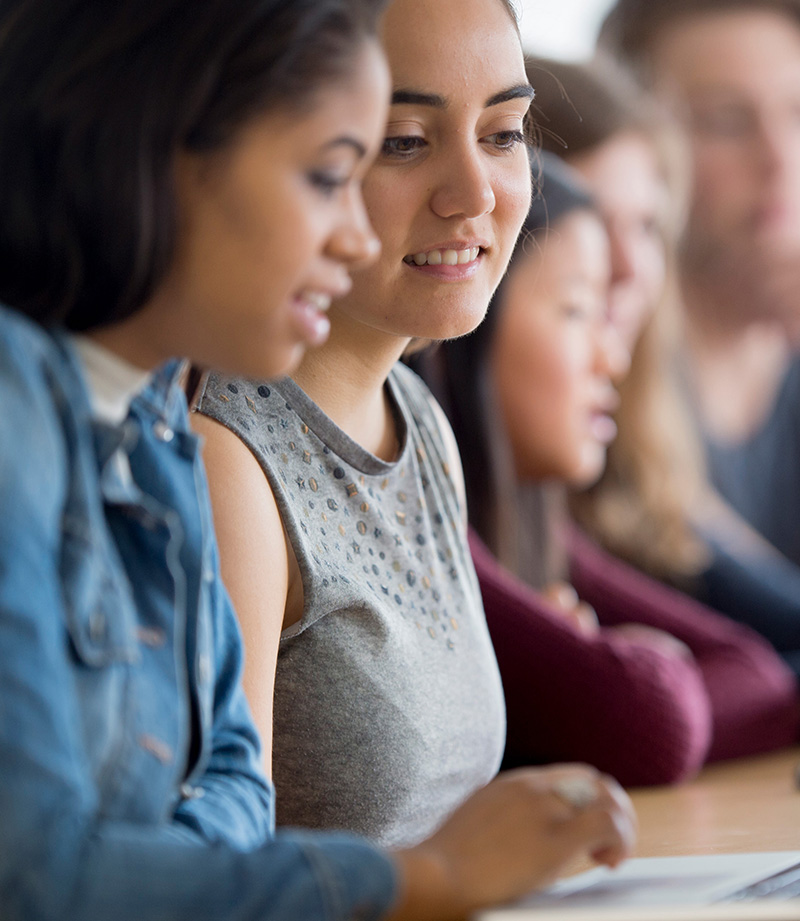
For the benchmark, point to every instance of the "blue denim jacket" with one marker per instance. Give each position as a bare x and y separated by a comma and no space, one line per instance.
130,785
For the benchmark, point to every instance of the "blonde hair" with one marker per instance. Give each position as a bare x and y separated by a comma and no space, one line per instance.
643,508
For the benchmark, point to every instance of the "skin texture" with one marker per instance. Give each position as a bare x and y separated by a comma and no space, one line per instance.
629,190
551,362
462,179
257,246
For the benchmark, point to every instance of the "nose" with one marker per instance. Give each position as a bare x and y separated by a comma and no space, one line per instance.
464,188
612,357
353,241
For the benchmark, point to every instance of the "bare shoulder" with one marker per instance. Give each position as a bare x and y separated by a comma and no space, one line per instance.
246,518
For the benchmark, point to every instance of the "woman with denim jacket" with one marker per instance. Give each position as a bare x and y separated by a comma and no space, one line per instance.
181,178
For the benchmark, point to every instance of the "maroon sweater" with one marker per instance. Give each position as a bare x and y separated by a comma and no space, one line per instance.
625,706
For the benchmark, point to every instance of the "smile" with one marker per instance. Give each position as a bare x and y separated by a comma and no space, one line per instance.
445,256
319,300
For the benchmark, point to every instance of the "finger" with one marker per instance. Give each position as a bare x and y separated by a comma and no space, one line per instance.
562,595
586,618
608,833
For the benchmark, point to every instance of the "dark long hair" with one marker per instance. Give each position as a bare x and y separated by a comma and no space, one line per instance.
517,521
97,97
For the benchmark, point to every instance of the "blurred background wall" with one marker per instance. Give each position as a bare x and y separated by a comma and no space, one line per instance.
561,28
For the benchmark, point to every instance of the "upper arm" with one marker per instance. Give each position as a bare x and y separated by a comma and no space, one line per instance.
254,560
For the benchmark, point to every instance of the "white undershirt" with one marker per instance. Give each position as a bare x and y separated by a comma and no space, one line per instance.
112,381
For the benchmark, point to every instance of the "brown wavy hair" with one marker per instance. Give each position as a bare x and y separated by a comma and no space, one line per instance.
643,506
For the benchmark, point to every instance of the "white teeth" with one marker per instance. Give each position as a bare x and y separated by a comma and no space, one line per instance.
445,256
318,300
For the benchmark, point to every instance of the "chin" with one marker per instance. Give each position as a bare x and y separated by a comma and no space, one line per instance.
587,473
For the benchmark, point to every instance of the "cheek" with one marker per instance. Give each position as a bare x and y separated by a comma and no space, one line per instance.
513,198
651,270
720,175
389,201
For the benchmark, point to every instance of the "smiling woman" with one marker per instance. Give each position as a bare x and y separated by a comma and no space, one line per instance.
338,492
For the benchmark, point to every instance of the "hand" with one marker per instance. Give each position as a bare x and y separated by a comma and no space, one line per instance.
664,642
517,834
565,600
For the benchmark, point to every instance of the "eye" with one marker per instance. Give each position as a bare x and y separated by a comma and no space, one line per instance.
327,182
403,146
505,140
576,312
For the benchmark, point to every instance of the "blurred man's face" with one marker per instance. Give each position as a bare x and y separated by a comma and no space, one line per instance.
734,79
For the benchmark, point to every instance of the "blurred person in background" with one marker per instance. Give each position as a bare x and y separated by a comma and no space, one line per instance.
730,73
654,506
614,668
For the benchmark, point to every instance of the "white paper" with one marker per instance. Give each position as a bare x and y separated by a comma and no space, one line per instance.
653,883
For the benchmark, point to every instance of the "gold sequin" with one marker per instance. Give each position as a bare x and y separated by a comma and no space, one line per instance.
352,490
454,623
312,484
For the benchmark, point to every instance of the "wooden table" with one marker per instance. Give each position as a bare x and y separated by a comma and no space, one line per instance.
751,804
748,805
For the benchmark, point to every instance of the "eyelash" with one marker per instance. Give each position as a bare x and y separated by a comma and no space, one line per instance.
512,139
391,146
327,183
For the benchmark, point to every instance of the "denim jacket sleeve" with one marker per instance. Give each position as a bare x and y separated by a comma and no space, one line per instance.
61,855
230,801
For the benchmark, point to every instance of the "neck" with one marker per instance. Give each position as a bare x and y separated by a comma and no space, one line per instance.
346,378
736,365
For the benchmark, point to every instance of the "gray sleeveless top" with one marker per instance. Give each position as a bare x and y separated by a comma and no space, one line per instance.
388,704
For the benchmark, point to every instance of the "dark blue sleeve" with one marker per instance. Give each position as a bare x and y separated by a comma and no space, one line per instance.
760,590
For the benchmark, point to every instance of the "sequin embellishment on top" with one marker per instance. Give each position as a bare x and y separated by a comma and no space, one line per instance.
388,703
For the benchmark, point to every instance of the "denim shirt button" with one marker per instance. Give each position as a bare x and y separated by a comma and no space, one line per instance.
154,637
204,670
97,625
190,792
162,431
157,748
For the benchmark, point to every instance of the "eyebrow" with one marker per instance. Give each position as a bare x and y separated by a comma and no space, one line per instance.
434,100
347,141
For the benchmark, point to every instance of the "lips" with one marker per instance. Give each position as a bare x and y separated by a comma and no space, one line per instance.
447,256
319,300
